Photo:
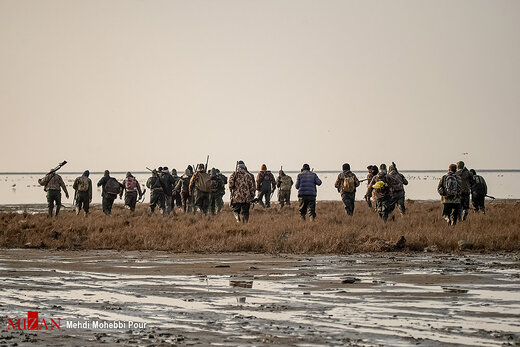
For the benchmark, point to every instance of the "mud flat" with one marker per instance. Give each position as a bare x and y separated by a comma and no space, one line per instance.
243,299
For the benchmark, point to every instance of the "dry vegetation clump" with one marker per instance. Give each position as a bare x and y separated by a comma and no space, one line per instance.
269,230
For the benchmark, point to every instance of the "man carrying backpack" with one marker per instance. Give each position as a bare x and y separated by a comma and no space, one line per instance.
449,189
265,184
397,187
379,189
168,183
346,184
284,184
182,188
478,192
83,187
132,188
466,181
200,188
154,183
111,189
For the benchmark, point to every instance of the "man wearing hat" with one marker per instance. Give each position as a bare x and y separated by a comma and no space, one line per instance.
346,184
241,184
265,184
306,183
83,195
53,184
132,188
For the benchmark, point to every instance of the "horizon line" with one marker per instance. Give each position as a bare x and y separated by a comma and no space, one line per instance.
291,171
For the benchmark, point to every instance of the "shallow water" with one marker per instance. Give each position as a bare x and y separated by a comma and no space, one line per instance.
18,189
394,299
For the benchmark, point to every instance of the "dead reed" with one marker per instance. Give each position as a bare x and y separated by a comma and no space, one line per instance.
269,231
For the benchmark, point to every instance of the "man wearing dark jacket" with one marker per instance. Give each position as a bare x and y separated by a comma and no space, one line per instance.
306,183
109,192
156,191
168,183
478,192
397,188
466,181
265,184
176,197
83,187
182,188
346,184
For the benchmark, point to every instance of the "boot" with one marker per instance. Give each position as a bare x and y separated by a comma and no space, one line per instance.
237,217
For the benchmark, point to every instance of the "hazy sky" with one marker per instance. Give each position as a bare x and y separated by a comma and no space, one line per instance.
128,84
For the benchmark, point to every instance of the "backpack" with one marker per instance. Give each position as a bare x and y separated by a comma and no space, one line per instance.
203,182
381,187
451,186
130,184
83,184
286,183
216,184
395,182
479,184
155,182
349,184
112,186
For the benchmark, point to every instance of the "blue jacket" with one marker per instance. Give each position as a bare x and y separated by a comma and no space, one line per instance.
306,183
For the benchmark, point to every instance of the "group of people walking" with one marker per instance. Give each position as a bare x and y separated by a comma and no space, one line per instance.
203,191
455,189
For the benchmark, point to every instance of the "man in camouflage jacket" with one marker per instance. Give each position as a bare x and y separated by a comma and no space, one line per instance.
242,187
284,183
451,203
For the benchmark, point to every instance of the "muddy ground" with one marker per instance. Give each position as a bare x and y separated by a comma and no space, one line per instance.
250,299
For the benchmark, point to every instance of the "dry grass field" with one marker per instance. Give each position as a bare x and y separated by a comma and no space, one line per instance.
269,231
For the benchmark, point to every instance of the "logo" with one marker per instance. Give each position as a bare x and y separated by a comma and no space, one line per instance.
32,322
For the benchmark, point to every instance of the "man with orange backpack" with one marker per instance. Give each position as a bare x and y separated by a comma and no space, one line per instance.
132,189
346,184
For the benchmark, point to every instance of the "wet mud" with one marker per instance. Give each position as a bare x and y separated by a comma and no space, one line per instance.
244,299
